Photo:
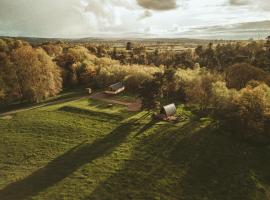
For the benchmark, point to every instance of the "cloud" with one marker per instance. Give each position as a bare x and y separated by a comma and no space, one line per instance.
105,15
42,18
62,18
247,30
104,8
239,2
158,4
83,18
146,14
261,4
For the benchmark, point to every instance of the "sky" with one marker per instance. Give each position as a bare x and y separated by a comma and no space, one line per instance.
205,19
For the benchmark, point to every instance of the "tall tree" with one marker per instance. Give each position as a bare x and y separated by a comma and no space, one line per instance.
35,73
151,92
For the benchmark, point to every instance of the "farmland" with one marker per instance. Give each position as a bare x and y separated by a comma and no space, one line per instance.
86,150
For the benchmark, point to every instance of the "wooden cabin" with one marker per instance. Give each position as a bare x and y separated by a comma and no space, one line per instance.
115,89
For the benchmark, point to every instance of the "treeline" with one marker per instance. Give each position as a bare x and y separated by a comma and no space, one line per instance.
33,74
228,81
27,73
214,57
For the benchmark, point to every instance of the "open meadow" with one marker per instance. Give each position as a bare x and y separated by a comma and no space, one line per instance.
86,149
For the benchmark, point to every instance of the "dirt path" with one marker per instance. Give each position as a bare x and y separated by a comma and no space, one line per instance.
40,106
131,106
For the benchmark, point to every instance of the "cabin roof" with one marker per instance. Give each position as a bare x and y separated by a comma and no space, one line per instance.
116,86
169,110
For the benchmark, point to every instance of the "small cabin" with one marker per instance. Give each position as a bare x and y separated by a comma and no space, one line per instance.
88,90
169,110
115,88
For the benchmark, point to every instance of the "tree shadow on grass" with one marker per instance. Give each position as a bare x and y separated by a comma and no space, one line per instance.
102,116
148,125
219,167
65,165
191,163
149,174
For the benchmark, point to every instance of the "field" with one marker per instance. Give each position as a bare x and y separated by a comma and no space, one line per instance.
86,150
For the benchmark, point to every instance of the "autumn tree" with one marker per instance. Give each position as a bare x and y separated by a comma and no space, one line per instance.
52,50
244,112
199,91
35,74
238,75
3,46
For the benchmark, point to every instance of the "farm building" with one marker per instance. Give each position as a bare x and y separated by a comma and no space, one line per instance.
169,110
115,88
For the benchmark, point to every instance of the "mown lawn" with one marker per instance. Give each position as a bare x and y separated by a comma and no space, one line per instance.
87,150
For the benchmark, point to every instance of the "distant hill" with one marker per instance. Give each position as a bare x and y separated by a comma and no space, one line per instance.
34,40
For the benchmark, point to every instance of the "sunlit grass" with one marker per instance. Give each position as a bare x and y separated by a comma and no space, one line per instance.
90,150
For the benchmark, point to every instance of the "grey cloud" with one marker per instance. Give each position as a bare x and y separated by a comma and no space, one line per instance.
258,30
261,4
158,4
146,14
239,2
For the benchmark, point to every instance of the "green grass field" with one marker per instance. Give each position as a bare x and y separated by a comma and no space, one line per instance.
87,150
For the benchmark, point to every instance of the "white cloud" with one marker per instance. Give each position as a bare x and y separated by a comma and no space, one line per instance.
42,17
82,18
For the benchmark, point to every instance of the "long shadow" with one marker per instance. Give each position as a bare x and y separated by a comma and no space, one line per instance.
64,165
219,167
146,127
149,174
191,163
101,115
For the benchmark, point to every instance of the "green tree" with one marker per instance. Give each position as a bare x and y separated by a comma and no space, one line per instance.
151,92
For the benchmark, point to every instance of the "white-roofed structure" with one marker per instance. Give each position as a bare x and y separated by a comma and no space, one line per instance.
169,110
115,88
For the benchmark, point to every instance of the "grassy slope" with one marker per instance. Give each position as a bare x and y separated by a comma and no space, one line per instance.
80,151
